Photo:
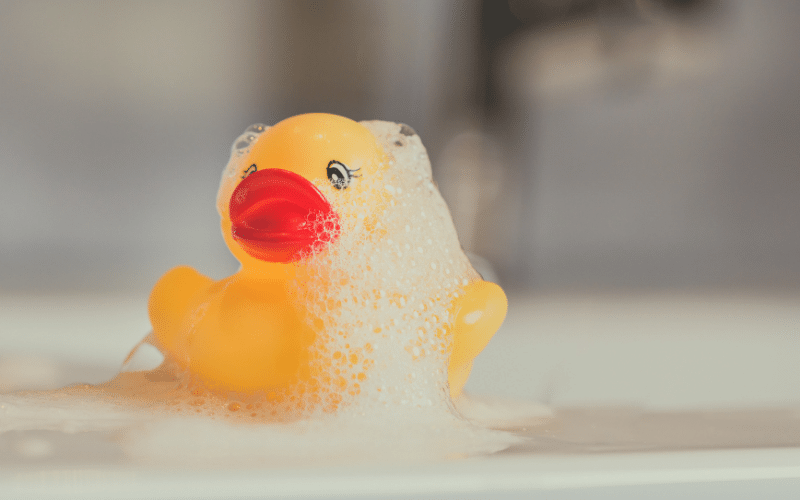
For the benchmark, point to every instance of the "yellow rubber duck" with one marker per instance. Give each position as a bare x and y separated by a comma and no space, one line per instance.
250,332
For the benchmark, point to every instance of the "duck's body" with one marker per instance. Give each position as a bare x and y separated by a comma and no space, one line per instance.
229,332
252,331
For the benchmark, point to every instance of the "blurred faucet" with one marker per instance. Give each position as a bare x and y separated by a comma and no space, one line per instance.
537,55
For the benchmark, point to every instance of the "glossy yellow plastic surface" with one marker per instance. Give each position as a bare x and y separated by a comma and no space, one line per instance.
250,332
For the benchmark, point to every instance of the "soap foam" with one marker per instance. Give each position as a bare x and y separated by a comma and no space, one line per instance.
379,298
394,275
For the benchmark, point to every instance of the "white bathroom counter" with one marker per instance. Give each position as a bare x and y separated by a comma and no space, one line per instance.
730,474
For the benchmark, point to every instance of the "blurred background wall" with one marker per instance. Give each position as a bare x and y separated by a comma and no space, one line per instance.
584,144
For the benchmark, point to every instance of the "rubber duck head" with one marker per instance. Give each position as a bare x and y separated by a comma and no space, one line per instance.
277,202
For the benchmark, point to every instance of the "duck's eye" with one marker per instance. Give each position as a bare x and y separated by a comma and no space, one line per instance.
252,168
339,174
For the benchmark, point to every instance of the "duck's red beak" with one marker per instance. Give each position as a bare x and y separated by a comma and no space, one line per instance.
279,216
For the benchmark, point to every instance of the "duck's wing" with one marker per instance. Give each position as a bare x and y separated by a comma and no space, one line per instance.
477,314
